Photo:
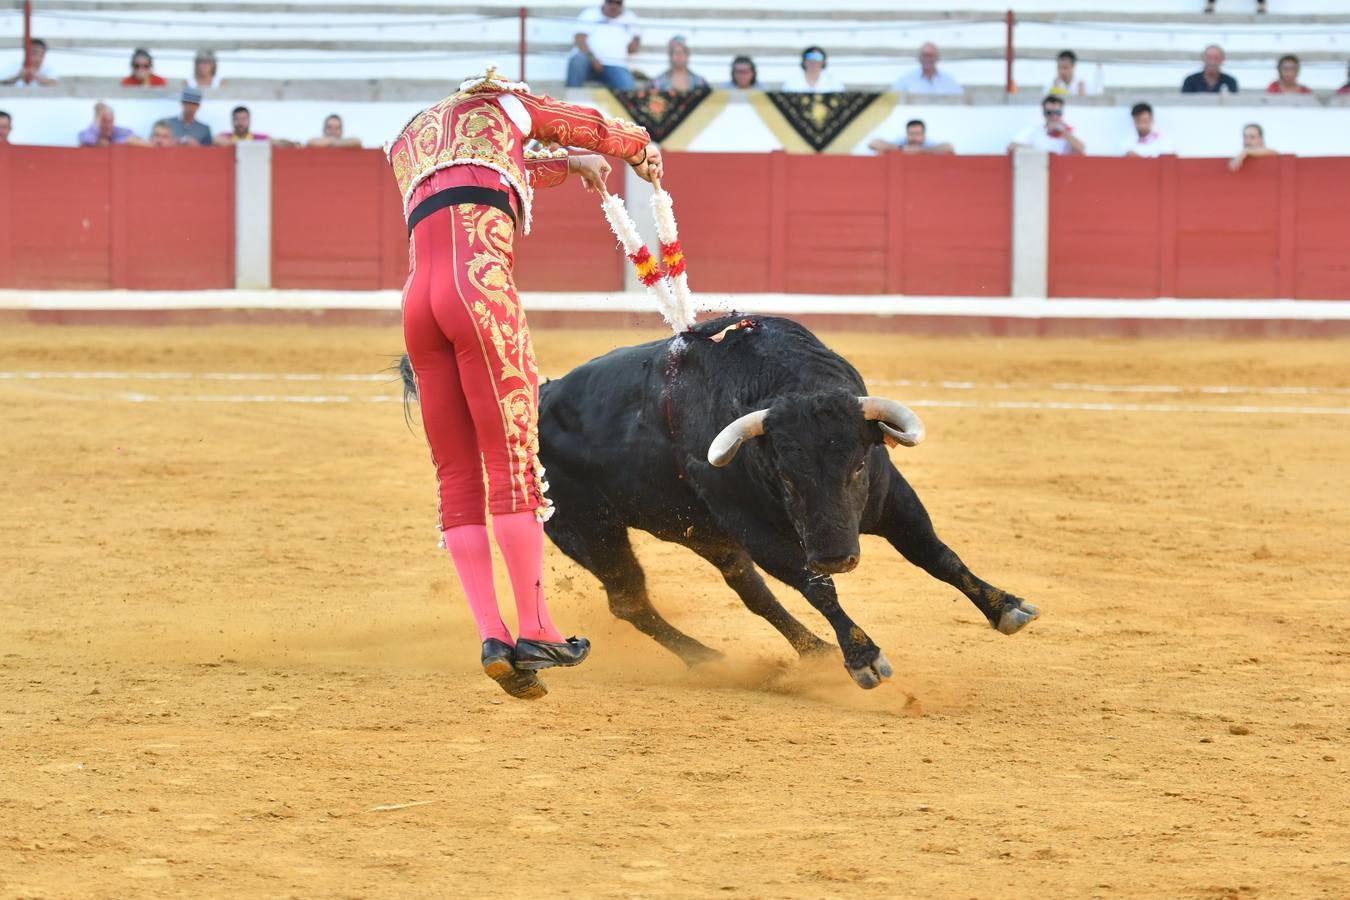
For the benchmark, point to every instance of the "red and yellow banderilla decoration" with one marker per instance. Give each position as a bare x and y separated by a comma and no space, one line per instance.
664,277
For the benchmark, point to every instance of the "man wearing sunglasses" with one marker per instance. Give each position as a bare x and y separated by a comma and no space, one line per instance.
143,71
1053,136
606,36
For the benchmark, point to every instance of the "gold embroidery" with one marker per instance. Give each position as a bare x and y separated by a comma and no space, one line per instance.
462,127
482,131
488,274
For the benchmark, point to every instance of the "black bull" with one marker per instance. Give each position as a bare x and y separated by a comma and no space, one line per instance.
754,445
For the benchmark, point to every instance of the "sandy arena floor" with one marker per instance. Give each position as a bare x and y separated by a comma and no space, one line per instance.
233,662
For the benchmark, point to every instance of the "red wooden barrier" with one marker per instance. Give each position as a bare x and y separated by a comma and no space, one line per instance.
128,217
1191,228
842,225
332,214
1322,230
570,246
117,217
953,234
337,223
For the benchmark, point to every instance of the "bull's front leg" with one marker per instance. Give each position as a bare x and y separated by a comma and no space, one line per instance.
863,659
905,523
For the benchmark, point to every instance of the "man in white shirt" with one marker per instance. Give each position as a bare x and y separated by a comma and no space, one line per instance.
34,72
606,36
1054,136
1148,143
926,79
1067,83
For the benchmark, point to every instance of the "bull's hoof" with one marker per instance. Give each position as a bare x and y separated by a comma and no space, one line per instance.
872,674
1015,618
701,657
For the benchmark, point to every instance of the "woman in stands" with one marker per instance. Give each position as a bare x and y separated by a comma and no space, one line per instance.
467,184
678,77
744,74
813,79
204,69
1253,144
1287,82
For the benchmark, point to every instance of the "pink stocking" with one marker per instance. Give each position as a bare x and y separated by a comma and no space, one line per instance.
520,537
469,548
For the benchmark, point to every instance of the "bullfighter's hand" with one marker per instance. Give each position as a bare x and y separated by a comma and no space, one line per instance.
592,169
650,166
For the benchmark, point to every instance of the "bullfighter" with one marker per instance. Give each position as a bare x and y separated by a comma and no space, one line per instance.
467,184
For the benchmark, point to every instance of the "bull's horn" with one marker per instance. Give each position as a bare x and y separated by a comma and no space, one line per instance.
896,419
723,448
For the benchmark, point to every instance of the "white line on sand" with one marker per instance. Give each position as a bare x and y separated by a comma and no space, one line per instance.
194,376
1138,407
920,403
390,377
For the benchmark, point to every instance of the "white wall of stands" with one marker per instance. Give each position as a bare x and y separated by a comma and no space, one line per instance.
979,129
100,40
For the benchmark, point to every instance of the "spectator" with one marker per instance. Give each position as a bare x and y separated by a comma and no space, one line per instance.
186,128
1210,79
1253,144
606,36
1067,83
162,134
1147,141
34,70
678,77
241,121
926,79
204,69
332,135
105,131
1345,88
1287,83
1260,6
915,141
6,126
143,71
812,79
1055,136
745,76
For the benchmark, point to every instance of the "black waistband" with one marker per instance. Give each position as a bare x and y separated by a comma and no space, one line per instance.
467,193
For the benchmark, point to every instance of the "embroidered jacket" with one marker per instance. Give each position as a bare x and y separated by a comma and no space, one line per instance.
471,127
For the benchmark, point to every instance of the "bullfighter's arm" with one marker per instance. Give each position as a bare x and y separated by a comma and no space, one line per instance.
569,125
546,173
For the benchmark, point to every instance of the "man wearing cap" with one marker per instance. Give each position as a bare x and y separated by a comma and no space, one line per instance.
186,128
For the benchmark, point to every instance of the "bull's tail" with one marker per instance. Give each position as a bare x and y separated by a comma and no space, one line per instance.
405,371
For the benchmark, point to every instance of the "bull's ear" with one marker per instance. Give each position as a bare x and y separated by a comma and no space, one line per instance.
897,421
724,447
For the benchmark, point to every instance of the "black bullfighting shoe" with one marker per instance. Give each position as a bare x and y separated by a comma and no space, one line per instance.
546,654
499,664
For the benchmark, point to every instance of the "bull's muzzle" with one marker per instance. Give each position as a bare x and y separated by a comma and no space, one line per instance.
833,565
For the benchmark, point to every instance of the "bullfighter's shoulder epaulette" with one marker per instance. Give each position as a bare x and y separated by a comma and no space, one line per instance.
492,83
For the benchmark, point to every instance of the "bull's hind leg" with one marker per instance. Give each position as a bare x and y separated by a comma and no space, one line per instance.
606,552
739,572
905,523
